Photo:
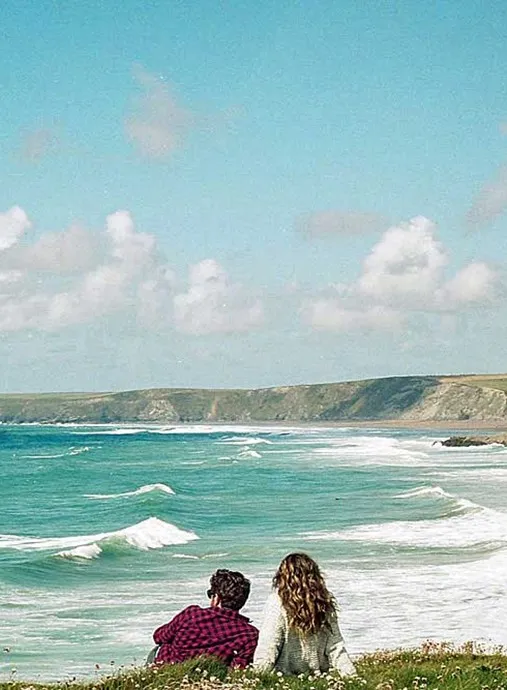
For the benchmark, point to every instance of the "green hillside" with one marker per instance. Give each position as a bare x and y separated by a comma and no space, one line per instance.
408,397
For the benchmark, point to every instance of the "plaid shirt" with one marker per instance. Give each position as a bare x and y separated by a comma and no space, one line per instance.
213,631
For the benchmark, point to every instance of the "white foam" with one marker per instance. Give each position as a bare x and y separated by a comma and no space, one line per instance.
425,491
87,552
249,454
474,526
375,450
118,429
243,441
146,489
152,533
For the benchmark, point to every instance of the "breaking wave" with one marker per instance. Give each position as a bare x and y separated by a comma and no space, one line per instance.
243,441
148,488
151,533
462,524
72,451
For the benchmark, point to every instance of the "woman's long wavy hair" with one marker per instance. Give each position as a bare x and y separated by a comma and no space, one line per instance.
303,593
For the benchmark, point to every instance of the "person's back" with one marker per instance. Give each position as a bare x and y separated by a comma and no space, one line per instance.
219,630
300,631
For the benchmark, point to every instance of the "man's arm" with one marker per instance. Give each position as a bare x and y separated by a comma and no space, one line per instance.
245,656
166,633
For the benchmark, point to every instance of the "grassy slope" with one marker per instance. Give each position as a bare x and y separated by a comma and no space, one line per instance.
432,667
496,381
374,399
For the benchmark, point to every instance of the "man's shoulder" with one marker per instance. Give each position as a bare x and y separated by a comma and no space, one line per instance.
192,611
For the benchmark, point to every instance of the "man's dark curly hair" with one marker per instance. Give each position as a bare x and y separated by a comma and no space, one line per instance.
231,587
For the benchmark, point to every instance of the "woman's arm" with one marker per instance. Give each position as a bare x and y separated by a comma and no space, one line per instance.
271,635
336,652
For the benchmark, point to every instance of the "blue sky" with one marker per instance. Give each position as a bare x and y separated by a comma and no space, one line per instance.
232,194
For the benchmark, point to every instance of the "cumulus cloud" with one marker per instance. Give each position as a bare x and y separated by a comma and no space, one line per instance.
474,284
158,124
99,283
490,202
44,286
71,251
405,265
332,222
13,224
403,276
213,305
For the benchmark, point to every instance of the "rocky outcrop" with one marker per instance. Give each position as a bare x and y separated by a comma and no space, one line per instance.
464,441
455,401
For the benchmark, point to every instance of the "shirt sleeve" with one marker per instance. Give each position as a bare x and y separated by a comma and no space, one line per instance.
246,655
271,635
336,652
166,633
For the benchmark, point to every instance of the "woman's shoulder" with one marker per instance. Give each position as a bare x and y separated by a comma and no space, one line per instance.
273,601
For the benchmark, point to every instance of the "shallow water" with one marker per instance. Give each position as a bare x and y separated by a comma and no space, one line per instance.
107,531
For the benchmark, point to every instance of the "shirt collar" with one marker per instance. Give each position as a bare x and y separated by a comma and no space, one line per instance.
229,613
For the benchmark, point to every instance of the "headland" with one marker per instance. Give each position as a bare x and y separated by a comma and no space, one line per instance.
468,402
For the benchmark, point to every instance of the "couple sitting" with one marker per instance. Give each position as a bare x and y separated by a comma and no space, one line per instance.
300,632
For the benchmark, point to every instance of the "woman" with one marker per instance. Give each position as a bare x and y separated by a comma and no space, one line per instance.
300,632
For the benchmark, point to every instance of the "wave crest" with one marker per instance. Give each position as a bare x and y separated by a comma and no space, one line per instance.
151,533
146,489
464,524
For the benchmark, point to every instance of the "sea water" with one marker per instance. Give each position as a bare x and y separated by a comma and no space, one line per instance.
107,531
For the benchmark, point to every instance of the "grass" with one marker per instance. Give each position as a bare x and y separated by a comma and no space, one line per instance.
430,667
496,381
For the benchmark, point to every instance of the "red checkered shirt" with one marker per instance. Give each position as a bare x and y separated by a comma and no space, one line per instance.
215,631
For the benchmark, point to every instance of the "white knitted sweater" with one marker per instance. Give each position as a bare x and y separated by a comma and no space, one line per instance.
281,648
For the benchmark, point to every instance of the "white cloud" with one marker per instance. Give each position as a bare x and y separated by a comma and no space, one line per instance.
159,123
335,315
324,223
473,284
72,251
490,202
31,299
43,286
403,276
405,265
213,305
133,248
13,224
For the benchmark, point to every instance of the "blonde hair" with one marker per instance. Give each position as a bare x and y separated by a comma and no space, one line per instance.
303,592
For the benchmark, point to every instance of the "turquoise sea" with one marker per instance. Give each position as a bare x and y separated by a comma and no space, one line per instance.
107,531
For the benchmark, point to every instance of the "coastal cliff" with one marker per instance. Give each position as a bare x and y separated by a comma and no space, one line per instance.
407,398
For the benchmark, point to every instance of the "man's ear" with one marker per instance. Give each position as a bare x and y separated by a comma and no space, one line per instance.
215,601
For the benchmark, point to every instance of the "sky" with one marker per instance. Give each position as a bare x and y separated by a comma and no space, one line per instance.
237,194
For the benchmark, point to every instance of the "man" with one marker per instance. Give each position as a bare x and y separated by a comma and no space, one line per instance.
219,630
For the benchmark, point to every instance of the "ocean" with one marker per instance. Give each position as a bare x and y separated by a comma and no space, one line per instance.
107,531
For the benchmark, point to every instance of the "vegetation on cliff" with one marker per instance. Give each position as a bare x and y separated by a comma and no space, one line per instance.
416,398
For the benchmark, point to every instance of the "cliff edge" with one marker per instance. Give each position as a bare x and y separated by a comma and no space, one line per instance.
403,398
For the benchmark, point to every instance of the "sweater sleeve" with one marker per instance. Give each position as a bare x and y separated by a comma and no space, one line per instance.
271,635
336,652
